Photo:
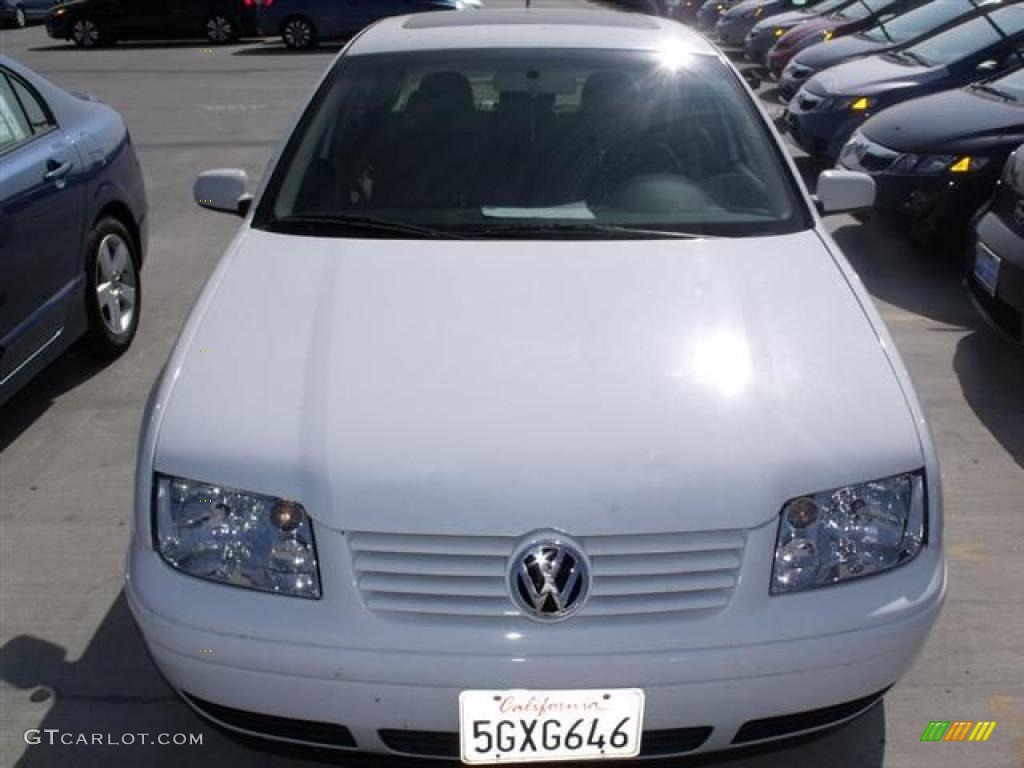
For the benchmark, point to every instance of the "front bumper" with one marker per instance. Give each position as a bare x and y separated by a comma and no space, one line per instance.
789,85
408,679
59,28
1005,309
821,133
931,203
732,32
756,47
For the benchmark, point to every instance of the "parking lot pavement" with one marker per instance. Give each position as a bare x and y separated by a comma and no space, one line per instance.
70,657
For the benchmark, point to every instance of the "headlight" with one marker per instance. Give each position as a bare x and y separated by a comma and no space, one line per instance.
828,35
928,164
849,532
778,32
860,104
234,537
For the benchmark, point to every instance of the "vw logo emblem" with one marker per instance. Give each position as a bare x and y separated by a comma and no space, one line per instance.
549,578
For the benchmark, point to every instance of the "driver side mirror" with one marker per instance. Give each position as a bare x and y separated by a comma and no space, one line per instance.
844,192
223,190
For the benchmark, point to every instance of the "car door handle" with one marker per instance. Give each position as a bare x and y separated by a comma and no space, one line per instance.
56,170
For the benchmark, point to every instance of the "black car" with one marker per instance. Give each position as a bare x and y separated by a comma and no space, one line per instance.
90,23
906,29
995,266
937,158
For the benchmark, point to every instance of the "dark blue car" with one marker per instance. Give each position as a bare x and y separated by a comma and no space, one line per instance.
72,226
833,104
303,23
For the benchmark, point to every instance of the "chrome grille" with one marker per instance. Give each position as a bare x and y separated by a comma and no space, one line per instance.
467,575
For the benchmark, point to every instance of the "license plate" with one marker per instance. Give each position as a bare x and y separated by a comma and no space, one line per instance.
986,269
532,726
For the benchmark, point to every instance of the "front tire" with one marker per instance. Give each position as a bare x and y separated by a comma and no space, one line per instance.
114,288
86,33
298,33
220,29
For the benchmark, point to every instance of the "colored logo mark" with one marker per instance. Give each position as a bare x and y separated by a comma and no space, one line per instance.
958,730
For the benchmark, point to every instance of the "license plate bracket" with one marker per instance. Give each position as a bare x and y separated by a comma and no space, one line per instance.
986,268
523,726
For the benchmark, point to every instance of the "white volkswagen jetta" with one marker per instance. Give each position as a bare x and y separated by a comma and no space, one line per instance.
533,414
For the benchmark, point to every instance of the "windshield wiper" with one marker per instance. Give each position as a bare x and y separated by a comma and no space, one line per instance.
916,58
358,223
588,227
986,88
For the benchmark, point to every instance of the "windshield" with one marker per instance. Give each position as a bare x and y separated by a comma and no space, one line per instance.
968,38
521,142
918,22
823,7
861,9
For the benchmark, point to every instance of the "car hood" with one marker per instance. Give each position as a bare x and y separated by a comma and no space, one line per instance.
963,119
871,74
815,25
785,20
837,51
595,387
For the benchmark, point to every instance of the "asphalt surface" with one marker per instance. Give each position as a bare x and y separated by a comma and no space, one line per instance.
70,657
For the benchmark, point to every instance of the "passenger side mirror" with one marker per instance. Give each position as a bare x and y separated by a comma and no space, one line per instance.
224,190
844,192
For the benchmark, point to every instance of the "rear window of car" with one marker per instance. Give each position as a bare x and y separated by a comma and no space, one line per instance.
527,142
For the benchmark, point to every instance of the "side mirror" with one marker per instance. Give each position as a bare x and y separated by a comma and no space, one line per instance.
224,190
844,192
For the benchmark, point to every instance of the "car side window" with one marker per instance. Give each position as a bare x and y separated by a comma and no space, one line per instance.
14,125
38,116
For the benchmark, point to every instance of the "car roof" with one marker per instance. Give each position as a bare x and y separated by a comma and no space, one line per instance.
448,30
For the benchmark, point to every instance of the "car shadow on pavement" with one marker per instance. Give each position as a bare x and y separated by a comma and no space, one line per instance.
115,690
929,283
65,373
279,49
141,45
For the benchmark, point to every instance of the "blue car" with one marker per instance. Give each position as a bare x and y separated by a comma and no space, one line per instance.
72,226
830,106
303,23
19,13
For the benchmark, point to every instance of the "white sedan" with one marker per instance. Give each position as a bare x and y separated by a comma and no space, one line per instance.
533,414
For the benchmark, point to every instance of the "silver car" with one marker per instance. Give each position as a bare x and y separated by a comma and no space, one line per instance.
532,414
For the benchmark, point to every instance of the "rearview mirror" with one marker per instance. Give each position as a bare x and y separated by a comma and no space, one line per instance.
844,192
224,190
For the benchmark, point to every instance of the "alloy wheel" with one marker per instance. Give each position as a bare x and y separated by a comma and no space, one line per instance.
298,33
85,33
116,283
219,29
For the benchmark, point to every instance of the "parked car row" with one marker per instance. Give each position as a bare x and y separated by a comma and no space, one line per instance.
928,99
299,23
